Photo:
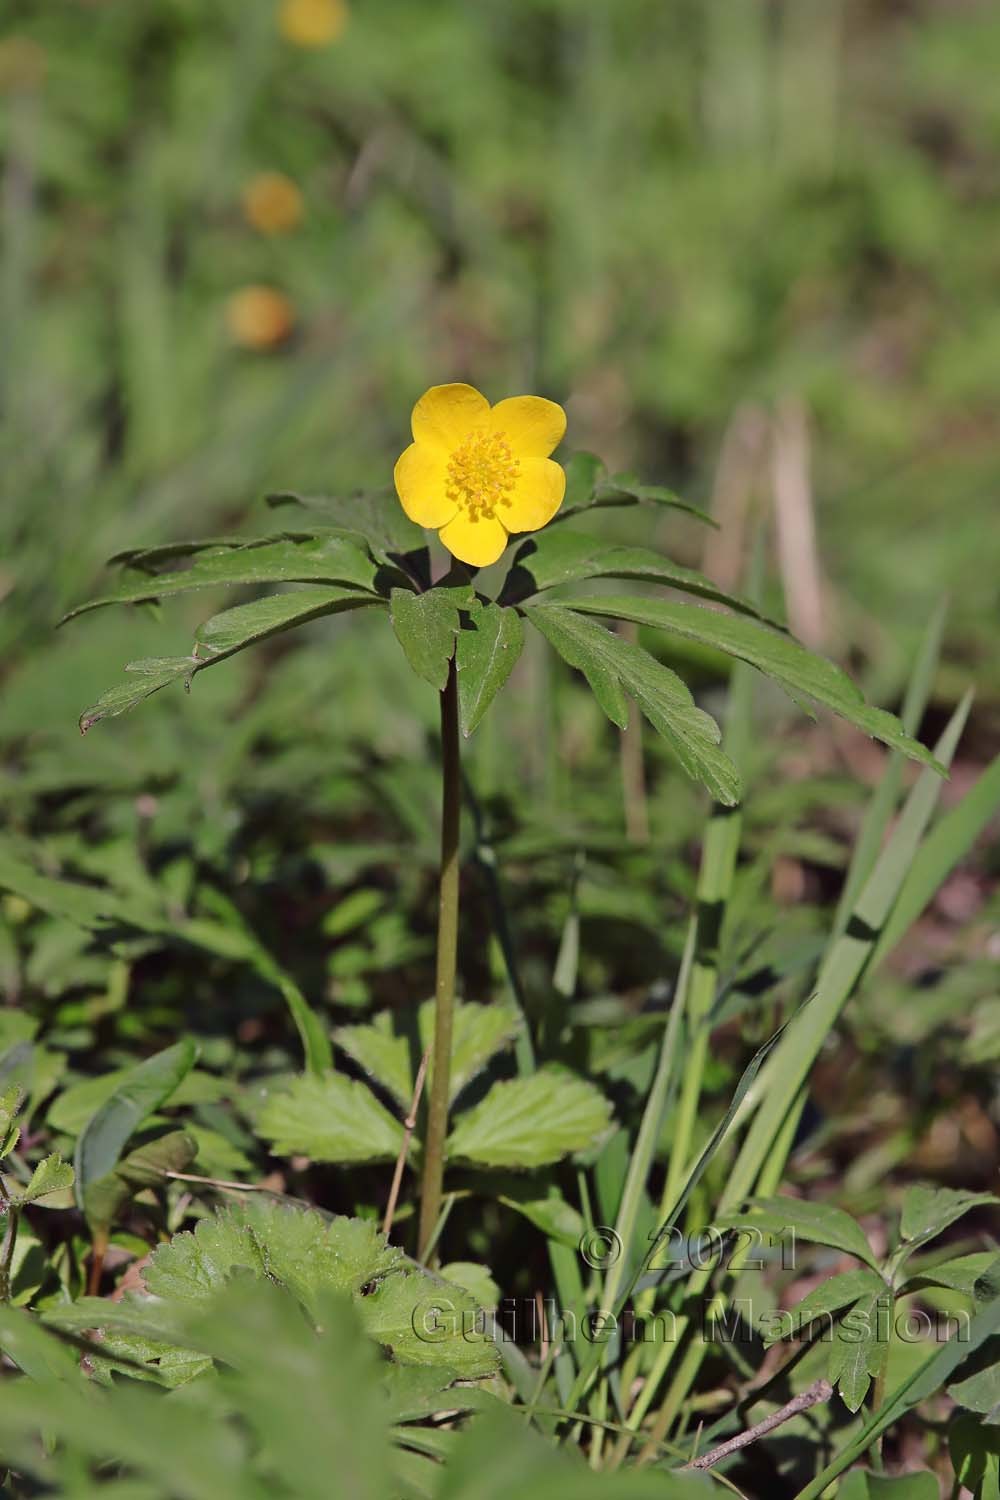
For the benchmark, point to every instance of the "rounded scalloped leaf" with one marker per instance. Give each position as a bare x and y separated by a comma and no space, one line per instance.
420,1319
299,1249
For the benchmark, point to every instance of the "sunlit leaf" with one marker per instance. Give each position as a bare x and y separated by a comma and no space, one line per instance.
332,1118
527,1122
614,666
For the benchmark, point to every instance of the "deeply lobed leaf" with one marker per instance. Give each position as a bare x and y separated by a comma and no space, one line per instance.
613,666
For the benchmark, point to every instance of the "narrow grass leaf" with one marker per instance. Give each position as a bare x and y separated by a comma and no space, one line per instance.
882,803
143,1090
841,970
947,843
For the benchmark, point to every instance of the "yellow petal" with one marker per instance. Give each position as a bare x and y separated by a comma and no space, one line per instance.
537,496
477,543
445,414
420,485
532,425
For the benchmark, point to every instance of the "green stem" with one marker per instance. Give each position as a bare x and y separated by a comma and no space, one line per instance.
447,946
878,1401
7,1259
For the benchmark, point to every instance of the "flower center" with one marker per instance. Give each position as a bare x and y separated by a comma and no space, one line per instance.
481,474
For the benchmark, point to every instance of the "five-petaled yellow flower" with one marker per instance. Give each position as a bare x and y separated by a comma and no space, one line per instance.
475,472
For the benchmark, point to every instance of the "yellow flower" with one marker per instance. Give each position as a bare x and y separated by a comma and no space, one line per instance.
476,472
23,65
312,23
259,317
272,203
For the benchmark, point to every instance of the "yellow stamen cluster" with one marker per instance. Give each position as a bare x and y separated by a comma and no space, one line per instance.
482,474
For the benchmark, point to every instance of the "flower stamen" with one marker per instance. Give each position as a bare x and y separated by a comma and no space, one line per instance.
481,474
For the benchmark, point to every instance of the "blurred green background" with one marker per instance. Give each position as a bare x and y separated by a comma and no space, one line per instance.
736,238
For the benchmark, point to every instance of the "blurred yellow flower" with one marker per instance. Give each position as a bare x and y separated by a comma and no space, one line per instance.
259,317
23,65
312,23
476,472
272,203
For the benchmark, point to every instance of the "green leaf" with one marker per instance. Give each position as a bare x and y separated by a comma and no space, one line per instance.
949,841
379,520
321,560
52,1175
927,1210
384,1055
106,1197
836,1292
415,1316
584,471
298,1248
974,1449
925,1381
223,635
820,1223
978,1385
312,1402
174,1151
148,676
921,1484
35,1350
557,1219
587,488
860,1348
73,1106
554,557
803,673
425,1323
568,634
426,626
976,1275
478,1033
149,559
11,1099
143,1090
330,1119
89,906
475,1279
489,644
499,1455
531,1121
613,666
246,624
